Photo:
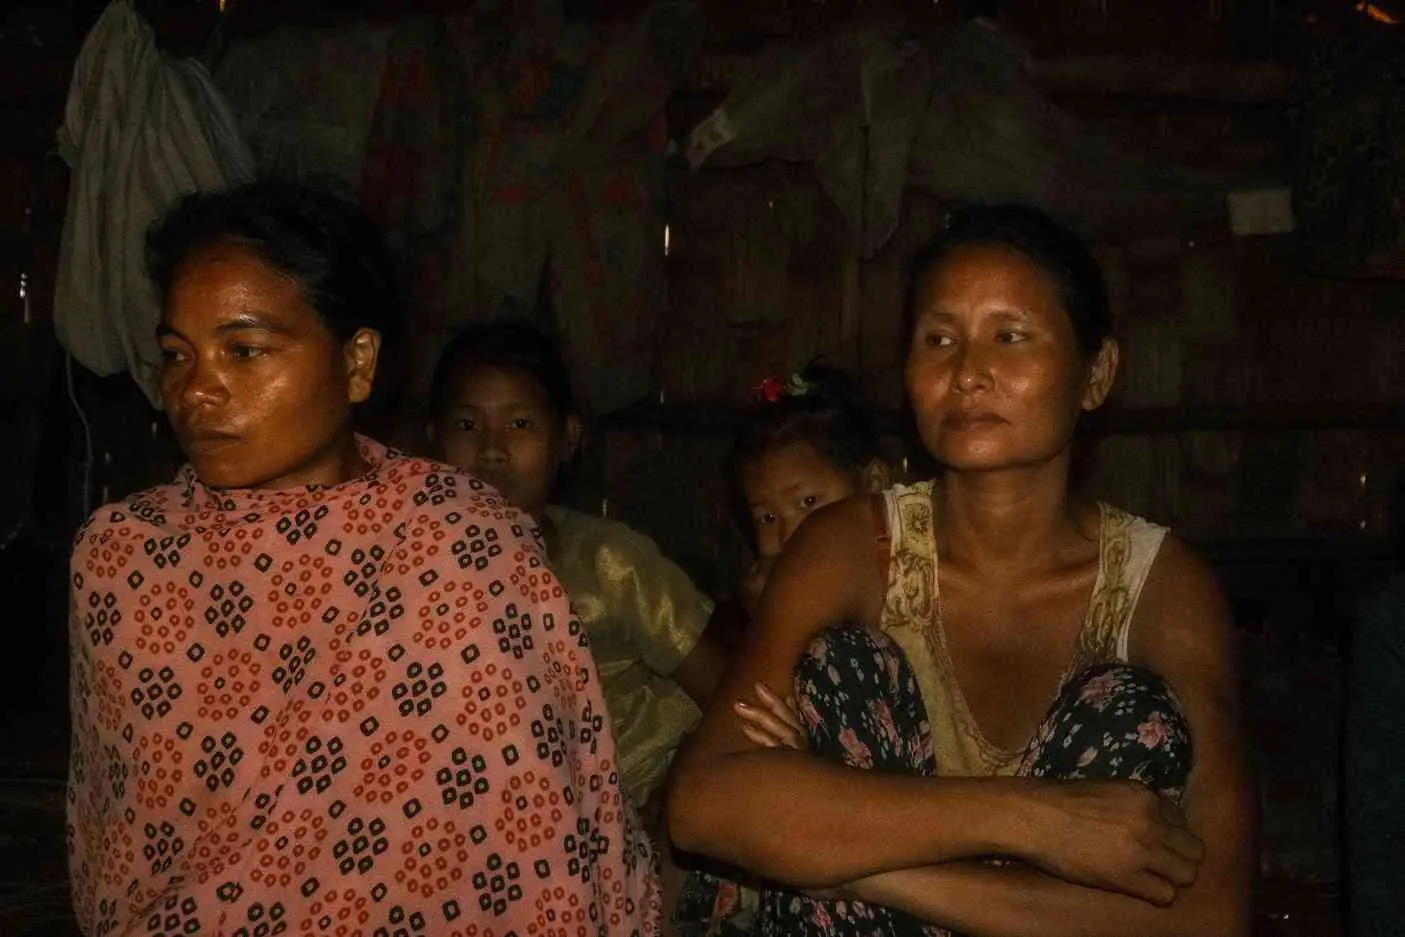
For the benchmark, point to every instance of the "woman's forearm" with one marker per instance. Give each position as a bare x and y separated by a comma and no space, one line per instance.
986,900
811,823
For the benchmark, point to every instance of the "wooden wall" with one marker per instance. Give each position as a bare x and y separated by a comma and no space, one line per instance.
1253,402
1259,410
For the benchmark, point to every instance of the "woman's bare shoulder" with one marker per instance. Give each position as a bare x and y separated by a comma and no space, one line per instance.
848,528
1182,604
835,559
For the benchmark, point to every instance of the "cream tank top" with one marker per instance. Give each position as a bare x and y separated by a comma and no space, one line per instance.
1126,550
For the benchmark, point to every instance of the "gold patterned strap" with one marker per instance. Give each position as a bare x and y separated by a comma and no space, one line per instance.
909,601
1129,545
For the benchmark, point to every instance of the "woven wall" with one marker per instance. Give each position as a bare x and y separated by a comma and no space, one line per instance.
1254,401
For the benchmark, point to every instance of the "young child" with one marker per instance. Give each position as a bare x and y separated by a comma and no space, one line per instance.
804,443
502,410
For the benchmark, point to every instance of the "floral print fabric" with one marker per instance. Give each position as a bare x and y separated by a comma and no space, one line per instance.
360,709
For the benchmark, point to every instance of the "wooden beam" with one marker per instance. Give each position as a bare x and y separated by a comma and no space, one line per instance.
1130,76
716,69
720,420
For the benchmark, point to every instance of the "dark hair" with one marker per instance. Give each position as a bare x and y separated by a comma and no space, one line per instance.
1054,249
830,415
511,344
329,246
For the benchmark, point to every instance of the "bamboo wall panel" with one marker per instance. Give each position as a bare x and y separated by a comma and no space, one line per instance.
1236,366
1190,29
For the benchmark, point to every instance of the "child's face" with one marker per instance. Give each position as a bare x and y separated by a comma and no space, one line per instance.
499,425
785,485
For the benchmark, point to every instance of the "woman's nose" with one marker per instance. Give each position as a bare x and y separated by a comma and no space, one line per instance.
972,370
202,385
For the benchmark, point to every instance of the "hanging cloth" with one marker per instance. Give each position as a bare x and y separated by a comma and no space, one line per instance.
879,113
139,131
566,193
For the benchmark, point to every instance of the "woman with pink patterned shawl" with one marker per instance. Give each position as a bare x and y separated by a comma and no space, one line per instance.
319,687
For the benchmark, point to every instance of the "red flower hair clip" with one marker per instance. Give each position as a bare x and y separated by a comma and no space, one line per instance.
772,389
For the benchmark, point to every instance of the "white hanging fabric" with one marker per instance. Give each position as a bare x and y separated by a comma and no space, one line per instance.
140,130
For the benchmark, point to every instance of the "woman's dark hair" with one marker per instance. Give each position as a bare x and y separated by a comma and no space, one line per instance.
1054,249
824,409
329,246
510,344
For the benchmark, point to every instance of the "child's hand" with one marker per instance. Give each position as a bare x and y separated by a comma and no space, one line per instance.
774,723
755,583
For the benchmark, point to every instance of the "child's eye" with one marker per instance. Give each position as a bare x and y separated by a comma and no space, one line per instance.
809,501
464,425
765,520
937,340
520,423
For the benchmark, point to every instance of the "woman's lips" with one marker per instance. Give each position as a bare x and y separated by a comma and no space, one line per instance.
207,438
972,419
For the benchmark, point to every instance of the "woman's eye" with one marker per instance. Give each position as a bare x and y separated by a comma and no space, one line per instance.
1010,336
172,355
765,520
809,501
464,425
521,423
936,340
245,352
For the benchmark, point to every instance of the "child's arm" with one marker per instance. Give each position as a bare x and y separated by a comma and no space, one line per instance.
670,620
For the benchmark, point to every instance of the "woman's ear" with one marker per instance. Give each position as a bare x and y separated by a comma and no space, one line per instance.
875,477
361,352
1101,375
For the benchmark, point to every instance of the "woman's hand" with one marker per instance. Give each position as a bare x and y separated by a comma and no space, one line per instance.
773,722
1116,835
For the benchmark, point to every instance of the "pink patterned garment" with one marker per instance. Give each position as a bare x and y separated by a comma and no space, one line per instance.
362,709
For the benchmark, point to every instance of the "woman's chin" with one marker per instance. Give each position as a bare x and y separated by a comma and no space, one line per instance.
229,470
974,458
226,480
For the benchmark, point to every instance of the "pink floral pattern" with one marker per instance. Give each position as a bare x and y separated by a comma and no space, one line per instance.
856,753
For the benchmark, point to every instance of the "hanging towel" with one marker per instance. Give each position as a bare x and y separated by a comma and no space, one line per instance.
139,131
